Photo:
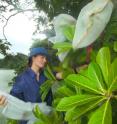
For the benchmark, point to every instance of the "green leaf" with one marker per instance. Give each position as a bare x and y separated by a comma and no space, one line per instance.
75,122
37,111
65,91
11,121
62,45
103,59
63,50
67,60
66,72
103,115
113,85
42,117
74,113
84,82
39,122
114,68
55,102
45,88
49,73
77,100
69,31
94,73
115,46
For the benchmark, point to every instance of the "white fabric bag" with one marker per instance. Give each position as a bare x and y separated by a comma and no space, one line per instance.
20,110
59,23
91,22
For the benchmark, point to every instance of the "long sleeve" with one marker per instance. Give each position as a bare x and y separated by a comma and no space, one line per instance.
17,89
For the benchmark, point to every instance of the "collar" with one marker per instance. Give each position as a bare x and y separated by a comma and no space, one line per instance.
32,73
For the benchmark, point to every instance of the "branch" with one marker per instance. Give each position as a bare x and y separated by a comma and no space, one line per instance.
4,17
7,19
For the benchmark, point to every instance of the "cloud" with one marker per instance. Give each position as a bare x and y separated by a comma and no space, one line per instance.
19,33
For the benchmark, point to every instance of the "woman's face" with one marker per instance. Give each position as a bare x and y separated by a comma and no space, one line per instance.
39,61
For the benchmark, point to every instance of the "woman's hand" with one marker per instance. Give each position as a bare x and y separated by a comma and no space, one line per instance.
2,100
59,76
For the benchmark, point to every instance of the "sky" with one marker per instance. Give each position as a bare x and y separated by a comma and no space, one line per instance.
19,33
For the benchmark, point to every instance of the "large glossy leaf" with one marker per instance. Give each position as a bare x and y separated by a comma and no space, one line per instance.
115,46
75,122
49,74
94,73
92,20
45,88
69,32
42,117
63,49
63,45
103,115
39,122
104,61
65,91
77,100
113,85
84,82
74,113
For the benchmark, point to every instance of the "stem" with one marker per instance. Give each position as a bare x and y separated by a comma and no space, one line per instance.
89,50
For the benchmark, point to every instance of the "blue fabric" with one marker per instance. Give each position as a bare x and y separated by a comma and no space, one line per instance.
27,88
38,50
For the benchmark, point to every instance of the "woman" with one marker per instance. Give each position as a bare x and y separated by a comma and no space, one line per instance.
27,85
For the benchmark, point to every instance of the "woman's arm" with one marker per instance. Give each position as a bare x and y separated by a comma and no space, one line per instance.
17,89
59,76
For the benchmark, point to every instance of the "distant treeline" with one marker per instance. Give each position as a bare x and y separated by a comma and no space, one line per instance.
11,61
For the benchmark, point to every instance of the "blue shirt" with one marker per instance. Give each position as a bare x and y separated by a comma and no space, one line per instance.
27,88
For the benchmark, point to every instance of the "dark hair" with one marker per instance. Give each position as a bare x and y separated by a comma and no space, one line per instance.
30,62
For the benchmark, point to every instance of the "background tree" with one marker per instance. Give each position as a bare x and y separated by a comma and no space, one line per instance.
55,7
4,46
72,7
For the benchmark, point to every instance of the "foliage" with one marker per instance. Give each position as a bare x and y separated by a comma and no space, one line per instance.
84,96
52,118
4,46
106,38
11,61
54,7
46,86
89,94
98,86
10,121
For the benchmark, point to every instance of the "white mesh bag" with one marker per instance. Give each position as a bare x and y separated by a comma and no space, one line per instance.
92,20
59,23
20,110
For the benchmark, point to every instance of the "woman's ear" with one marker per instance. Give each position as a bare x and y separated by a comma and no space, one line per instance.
32,58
